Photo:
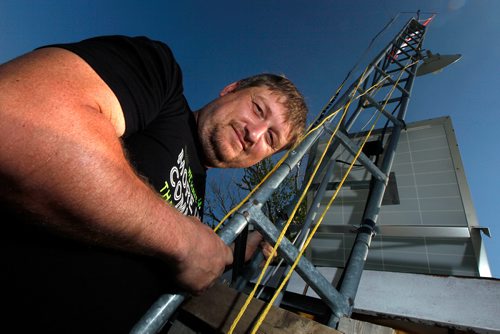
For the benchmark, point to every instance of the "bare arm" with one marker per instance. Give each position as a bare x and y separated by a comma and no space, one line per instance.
61,160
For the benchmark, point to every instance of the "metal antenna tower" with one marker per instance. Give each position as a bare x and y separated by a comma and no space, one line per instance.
393,68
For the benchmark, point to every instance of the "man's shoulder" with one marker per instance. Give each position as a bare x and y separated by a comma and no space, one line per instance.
116,41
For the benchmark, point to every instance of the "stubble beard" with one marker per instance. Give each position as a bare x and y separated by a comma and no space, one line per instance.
216,149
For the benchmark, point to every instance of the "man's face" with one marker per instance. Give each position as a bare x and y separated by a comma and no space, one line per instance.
241,128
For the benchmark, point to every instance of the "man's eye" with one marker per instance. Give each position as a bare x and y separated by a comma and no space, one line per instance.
258,109
270,139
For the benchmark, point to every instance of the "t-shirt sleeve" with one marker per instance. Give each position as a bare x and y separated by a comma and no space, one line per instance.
141,72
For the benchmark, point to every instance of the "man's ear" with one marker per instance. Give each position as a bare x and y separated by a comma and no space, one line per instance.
229,88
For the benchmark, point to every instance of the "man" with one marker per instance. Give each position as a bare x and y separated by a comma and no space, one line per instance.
102,172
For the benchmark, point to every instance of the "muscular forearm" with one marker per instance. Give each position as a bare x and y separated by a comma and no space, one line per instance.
87,190
79,182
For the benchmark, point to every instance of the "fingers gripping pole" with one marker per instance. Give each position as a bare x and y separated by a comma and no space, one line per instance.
159,313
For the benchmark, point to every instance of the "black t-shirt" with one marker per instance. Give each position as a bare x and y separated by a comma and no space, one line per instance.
60,286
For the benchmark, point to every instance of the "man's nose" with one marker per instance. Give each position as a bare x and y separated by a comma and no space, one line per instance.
255,131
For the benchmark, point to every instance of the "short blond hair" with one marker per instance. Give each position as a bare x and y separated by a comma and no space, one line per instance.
294,103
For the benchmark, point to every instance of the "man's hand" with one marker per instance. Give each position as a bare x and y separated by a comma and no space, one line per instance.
254,241
204,259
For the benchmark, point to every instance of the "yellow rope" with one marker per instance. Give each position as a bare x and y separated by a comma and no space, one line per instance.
285,228
311,235
268,261
247,302
309,238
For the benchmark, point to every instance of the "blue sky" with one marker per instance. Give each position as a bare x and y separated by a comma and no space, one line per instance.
314,43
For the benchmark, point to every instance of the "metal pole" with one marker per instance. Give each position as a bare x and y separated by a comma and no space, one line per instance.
354,267
336,301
